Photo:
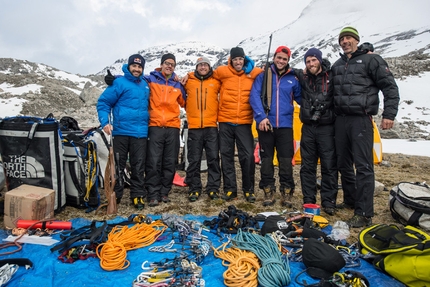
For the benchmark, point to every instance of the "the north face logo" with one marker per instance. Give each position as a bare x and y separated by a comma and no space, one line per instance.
24,167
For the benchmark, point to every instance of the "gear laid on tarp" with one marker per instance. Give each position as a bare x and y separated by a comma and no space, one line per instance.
49,271
231,220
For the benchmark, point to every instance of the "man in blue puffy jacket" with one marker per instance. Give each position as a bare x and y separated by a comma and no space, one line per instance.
274,120
127,100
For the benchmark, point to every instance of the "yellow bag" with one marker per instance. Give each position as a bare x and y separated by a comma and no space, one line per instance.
402,253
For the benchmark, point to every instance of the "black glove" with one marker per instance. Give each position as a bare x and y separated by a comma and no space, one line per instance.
109,78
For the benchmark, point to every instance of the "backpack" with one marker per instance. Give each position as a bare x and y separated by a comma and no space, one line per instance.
410,204
402,253
81,172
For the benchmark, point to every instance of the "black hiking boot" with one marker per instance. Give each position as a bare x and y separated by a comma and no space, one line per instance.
358,221
229,195
329,210
287,197
345,205
269,196
138,203
193,196
213,194
249,196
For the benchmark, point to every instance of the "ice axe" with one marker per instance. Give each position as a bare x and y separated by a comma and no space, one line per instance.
109,182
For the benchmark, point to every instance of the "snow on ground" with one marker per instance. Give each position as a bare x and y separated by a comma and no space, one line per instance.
414,96
10,107
404,146
7,88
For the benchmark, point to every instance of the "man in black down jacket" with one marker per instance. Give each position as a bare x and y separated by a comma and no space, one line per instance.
358,77
317,141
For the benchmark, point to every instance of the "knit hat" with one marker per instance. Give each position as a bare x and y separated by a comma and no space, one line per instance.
314,52
284,49
136,59
203,60
237,52
168,56
322,257
349,31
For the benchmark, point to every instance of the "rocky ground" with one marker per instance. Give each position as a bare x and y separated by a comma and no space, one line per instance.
395,168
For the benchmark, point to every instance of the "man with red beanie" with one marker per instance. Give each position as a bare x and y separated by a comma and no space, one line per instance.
274,120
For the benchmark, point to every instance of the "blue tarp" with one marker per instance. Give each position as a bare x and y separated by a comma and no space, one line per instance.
48,271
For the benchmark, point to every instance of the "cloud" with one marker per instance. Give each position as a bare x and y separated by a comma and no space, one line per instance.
84,36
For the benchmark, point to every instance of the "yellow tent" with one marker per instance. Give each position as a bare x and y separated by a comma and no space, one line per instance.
297,130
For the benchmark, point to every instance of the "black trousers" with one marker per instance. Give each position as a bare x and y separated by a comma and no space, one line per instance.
317,142
240,136
162,156
354,147
199,139
133,149
282,140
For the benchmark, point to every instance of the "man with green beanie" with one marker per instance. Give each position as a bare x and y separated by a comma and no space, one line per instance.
358,77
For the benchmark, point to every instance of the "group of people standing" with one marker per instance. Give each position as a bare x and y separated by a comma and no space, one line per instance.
336,108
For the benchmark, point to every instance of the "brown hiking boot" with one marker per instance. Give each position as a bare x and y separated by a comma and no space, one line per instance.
287,197
269,196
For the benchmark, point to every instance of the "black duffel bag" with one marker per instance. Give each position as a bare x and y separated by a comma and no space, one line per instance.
32,154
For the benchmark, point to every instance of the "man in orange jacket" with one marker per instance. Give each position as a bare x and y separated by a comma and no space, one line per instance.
163,135
202,115
235,119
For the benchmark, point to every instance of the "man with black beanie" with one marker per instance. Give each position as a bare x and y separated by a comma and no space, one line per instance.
167,95
358,77
127,100
235,121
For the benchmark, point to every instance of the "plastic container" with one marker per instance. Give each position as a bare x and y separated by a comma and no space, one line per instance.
311,208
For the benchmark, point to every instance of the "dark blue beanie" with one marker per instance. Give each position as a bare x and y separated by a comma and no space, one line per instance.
136,59
315,53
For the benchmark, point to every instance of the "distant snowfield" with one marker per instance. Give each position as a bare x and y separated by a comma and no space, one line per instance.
404,146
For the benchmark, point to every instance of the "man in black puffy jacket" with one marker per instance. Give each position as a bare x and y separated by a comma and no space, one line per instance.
317,141
358,77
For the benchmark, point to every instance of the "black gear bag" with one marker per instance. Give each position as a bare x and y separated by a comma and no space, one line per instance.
32,154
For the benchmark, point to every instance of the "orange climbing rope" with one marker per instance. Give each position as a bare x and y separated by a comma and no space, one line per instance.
113,253
243,267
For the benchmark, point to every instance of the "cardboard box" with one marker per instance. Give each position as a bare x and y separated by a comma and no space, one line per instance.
28,202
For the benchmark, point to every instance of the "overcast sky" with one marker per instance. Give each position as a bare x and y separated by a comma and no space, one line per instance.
84,36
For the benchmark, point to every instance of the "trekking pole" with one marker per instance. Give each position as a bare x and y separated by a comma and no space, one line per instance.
265,97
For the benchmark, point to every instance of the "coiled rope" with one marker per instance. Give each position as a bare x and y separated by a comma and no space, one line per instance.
242,269
274,272
113,253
